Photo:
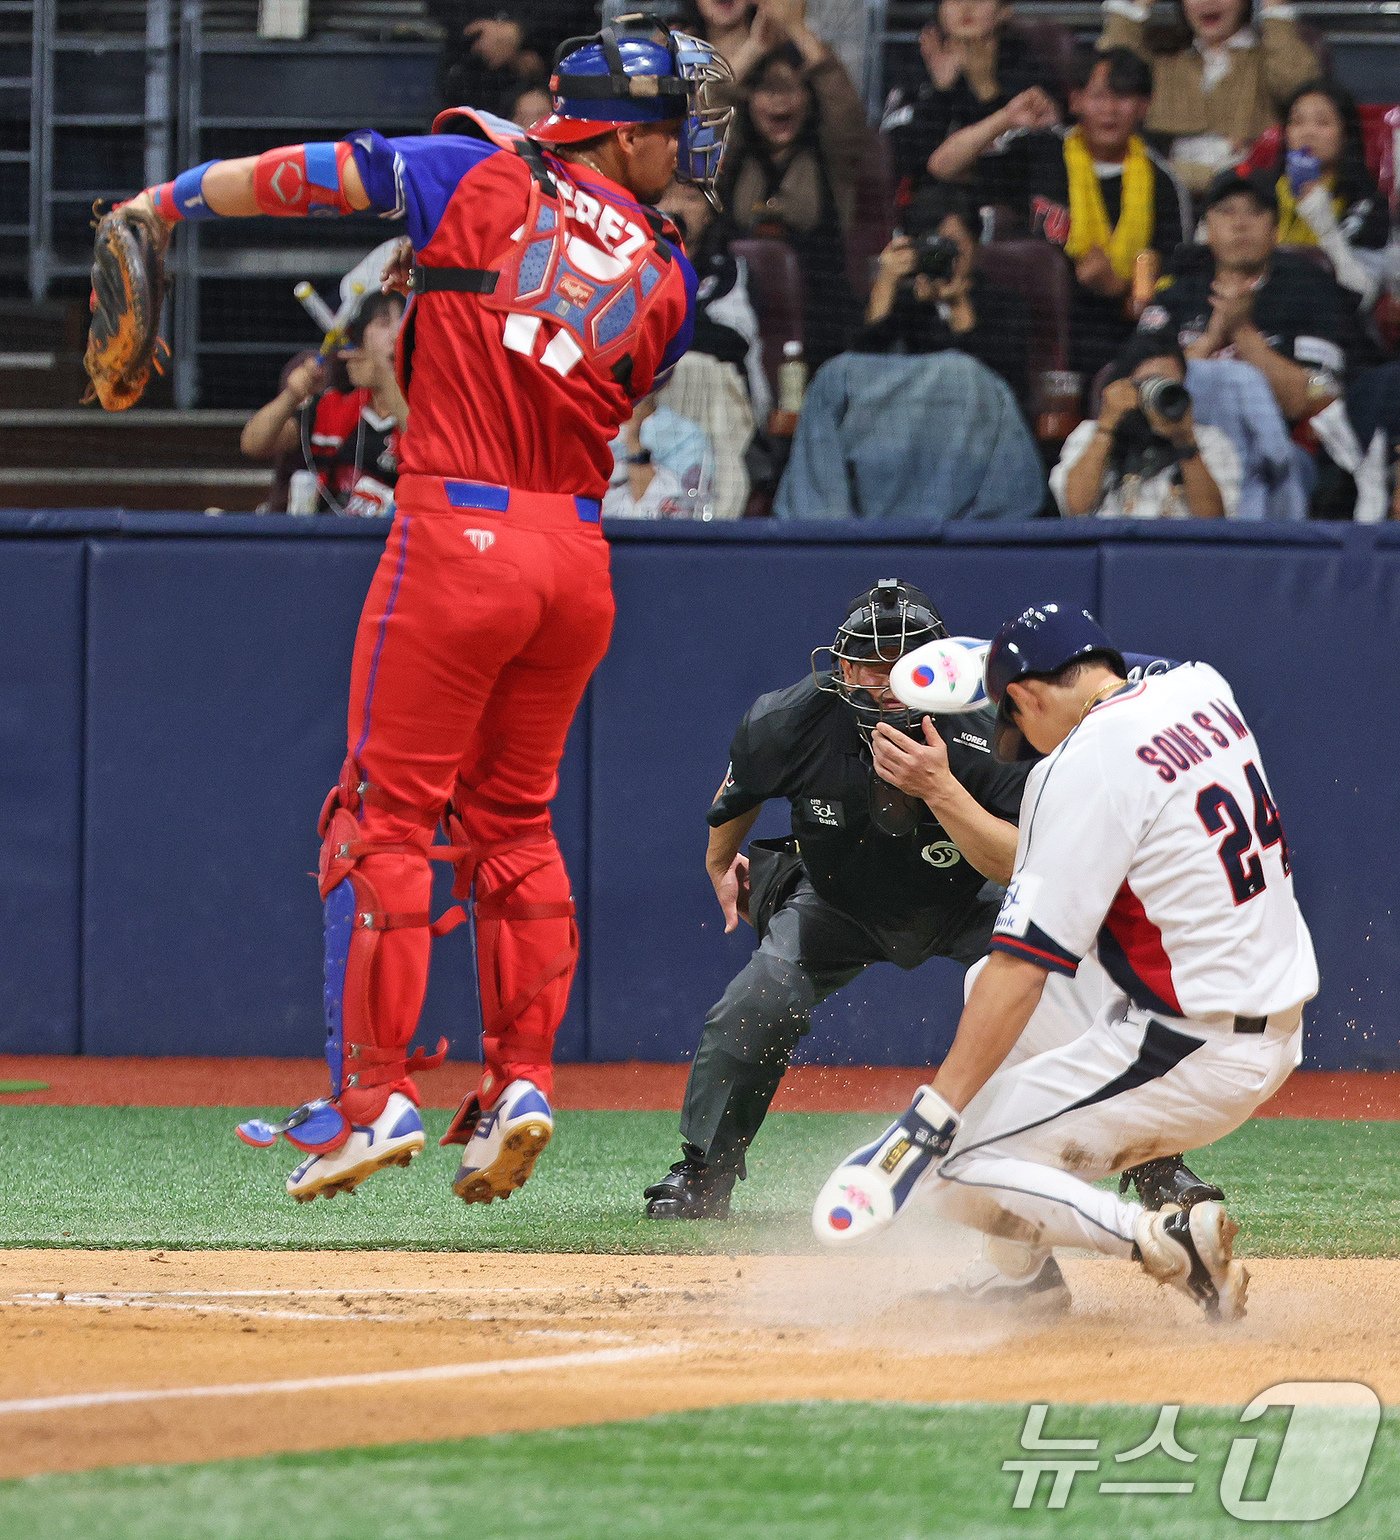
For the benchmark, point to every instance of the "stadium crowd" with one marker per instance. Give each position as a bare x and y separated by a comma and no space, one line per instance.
1156,277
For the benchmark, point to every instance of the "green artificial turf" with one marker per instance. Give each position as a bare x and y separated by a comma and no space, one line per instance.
807,1471
160,1177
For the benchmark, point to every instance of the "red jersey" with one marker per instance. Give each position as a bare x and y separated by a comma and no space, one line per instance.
354,452
488,398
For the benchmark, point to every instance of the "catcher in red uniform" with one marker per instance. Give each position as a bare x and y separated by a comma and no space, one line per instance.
548,297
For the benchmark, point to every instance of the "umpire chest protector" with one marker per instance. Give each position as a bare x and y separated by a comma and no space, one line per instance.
594,299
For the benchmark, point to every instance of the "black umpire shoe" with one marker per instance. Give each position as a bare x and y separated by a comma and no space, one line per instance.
1169,1181
690,1190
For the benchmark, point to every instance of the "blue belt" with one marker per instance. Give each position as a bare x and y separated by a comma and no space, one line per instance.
491,498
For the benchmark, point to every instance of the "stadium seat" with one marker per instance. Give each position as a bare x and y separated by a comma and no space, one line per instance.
1040,273
775,287
1380,132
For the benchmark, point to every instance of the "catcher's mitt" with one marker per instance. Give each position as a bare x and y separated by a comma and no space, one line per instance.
128,285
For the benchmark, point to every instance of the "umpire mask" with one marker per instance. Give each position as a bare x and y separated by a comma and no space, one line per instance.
881,625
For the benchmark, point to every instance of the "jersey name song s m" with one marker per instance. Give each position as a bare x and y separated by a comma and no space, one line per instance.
1152,830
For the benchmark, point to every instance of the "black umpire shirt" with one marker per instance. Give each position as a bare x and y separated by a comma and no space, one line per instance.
914,892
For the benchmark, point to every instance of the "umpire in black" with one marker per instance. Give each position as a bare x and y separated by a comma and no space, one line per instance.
903,832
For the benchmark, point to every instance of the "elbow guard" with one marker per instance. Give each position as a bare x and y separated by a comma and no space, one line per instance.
302,179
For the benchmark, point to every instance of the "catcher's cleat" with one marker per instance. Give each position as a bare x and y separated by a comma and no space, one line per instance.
874,1183
1191,1250
690,1190
505,1144
1169,1182
392,1139
985,1287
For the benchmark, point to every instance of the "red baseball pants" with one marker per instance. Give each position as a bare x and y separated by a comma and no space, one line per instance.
489,612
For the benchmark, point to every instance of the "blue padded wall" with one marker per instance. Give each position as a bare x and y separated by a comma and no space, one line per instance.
217,679
41,692
172,702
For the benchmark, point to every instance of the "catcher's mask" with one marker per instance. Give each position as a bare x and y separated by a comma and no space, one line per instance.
639,71
881,625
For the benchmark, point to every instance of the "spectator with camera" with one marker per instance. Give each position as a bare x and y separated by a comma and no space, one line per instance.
1327,196
341,419
1146,457
1097,191
1239,296
972,66
1220,78
930,295
919,419
796,150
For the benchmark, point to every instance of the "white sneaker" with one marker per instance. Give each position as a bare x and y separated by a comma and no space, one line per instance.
873,1184
393,1139
505,1144
1192,1252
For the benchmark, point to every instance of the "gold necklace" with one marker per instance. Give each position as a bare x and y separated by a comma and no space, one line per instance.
1101,694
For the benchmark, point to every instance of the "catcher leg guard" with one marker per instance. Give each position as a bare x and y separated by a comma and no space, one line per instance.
527,951
376,970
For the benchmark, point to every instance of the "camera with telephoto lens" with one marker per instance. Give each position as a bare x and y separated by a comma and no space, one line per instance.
936,257
1167,398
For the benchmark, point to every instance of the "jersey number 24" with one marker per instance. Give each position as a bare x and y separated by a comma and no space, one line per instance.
1220,813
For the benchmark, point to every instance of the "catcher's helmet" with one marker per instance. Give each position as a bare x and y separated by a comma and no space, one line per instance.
1040,641
881,624
638,71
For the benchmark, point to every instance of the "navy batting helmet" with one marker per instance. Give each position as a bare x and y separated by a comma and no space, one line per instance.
1040,641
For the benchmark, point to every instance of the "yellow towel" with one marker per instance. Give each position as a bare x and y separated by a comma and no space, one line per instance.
1088,217
1293,229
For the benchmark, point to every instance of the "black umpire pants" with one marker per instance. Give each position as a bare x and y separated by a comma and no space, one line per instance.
809,950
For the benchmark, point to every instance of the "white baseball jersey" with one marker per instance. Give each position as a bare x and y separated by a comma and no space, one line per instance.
1152,832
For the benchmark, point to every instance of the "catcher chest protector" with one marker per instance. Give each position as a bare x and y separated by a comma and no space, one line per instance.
535,279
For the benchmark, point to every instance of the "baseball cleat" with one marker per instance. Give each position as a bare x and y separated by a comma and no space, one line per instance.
505,1144
1191,1251
1045,1294
392,1139
690,1190
873,1184
1169,1182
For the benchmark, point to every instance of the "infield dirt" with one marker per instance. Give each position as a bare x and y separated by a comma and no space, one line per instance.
92,1343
